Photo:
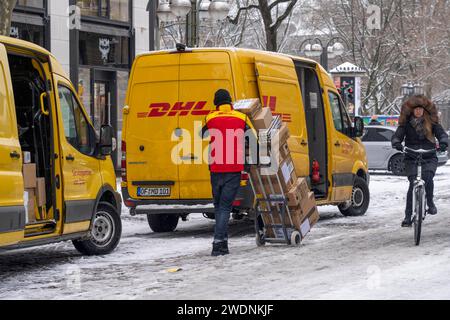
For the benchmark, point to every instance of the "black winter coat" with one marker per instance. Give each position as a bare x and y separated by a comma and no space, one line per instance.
413,141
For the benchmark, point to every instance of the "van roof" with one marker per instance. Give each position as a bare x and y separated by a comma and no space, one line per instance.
232,49
24,44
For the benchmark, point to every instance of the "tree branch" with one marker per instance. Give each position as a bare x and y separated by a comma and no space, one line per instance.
286,13
235,20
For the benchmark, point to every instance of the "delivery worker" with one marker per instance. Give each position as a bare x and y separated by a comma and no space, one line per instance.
227,128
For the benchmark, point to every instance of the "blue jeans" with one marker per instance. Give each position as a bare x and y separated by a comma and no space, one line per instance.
224,188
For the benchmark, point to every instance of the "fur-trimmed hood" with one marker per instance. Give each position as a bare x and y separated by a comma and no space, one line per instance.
418,101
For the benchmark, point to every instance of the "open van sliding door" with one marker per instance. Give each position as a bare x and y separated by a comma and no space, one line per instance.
12,210
315,122
279,89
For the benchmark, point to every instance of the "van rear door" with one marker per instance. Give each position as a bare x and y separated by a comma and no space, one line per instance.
201,75
152,93
279,89
12,210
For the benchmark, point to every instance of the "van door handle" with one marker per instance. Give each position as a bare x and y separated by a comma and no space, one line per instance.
337,144
70,157
15,155
304,143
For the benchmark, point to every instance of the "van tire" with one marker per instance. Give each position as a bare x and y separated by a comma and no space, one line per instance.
163,222
102,242
360,200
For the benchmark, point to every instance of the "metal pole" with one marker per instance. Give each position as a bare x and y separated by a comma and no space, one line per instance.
153,24
324,58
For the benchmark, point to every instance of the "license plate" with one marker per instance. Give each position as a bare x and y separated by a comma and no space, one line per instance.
153,192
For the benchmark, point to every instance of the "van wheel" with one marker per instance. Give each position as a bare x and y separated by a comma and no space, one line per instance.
105,233
163,222
396,165
359,202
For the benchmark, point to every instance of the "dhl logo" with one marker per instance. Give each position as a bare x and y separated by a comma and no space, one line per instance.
165,109
179,108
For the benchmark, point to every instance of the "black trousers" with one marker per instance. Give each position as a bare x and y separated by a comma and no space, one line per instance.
427,176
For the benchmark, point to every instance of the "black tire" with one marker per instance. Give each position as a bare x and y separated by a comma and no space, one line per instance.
105,233
397,165
163,222
418,216
360,199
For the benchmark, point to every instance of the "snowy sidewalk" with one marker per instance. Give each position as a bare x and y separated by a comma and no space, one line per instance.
368,257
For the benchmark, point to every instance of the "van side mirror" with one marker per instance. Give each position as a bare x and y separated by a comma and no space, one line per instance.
106,140
358,127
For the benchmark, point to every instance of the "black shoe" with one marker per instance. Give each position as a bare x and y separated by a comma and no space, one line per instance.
216,249
224,247
407,222
432,210
220,248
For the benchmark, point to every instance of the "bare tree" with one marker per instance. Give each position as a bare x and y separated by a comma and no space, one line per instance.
273,15
6,9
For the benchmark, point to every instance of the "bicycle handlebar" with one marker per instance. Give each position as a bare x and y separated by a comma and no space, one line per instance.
419,151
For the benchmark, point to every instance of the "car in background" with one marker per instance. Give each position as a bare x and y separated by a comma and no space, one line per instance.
381,155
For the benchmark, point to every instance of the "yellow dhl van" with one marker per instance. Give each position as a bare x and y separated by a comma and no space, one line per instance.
56,181
169,90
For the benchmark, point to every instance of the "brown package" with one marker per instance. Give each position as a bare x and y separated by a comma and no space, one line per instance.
30,205
262,119
308,203
40,192
29,175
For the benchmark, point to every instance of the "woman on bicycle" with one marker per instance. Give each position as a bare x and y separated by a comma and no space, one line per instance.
419,127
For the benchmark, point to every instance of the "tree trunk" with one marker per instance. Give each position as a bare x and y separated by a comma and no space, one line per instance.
266,15
6,9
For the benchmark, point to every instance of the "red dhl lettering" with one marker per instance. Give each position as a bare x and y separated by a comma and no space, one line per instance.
162,109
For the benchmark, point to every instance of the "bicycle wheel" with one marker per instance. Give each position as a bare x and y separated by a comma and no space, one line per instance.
418,213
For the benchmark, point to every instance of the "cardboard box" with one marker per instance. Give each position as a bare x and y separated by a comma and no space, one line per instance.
283,134
248,106
40,192
29,175
29,201
305,228
308,203
303,187
293,196
262,119
314,217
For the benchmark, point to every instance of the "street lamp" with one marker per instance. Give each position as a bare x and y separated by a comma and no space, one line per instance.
314,47
195,12
410,88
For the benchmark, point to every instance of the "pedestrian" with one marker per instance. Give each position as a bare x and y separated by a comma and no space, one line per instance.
419,127
226,162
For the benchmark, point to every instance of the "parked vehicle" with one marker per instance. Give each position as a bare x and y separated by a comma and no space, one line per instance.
169,90
57,181
381,155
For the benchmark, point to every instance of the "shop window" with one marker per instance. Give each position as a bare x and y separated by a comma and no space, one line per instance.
101,50
117,10
28,32
31,3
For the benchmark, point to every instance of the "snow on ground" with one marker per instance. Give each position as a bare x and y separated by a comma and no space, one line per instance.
368,257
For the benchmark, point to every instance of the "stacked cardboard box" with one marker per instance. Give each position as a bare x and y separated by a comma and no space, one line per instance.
274,134
34,195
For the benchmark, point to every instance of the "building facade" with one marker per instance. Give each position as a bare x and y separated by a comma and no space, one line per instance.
95,41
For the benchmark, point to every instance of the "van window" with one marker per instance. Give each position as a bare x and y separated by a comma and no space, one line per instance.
336,111
341,119
76,127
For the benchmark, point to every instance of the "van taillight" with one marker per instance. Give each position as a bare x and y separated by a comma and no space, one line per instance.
244,176
124,161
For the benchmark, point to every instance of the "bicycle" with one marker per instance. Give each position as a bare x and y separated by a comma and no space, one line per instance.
419,193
